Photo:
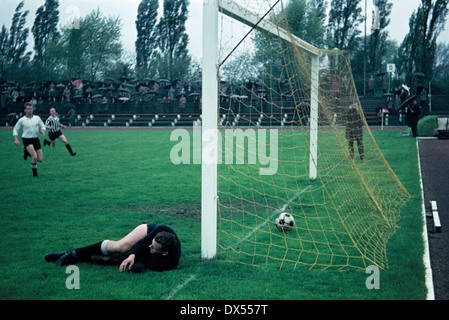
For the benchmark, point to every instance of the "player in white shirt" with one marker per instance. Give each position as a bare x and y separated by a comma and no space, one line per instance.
31,125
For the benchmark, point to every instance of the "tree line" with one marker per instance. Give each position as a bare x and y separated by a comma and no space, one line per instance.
90,47
339,24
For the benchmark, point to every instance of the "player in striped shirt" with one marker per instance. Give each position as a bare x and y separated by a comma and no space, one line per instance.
31,125
54,131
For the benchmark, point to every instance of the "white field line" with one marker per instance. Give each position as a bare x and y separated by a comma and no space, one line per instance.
284,207
426,256
275,212
181,286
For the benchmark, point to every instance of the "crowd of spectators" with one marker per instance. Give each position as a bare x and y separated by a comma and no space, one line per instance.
76,92
124,95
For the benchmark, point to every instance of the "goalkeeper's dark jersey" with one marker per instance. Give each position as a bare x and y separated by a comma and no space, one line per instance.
145,260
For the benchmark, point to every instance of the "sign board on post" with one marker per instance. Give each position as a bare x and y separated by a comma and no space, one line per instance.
391,68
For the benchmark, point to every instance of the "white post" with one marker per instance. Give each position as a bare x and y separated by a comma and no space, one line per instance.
209,131
382,120
313,159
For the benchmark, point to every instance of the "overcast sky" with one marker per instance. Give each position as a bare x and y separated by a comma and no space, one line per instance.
127,11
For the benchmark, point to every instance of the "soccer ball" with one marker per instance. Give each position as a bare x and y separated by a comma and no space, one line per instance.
285,222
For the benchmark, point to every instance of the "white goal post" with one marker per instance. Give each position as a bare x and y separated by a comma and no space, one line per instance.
210,98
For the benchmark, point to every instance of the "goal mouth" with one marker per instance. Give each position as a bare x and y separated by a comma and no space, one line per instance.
330,174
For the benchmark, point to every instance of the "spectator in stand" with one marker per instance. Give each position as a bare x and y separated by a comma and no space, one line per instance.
397,103
67,94
384,84
72,117
88,90
182,100
189,91
52,92
403,95
197,88
171,93
424,98
15,94
156,87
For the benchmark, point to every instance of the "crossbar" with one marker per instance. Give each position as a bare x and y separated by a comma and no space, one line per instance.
233,10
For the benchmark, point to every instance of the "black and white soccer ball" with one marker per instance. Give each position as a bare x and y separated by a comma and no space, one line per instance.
285,222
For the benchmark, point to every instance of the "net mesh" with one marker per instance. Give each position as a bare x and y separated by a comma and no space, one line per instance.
346,215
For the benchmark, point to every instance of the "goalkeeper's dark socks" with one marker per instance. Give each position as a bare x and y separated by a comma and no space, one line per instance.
70,149
34,169
86,253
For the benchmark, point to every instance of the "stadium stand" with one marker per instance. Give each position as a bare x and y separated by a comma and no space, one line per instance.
124,103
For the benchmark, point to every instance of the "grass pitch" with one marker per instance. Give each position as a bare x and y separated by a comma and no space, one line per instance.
121,178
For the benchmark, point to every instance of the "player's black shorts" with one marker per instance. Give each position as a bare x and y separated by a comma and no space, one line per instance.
34,141
54,135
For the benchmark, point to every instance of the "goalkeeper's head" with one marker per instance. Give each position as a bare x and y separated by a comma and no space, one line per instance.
163,243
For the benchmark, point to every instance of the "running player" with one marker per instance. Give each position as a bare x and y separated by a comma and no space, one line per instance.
54,131
31,125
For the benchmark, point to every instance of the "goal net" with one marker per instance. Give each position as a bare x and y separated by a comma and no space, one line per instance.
287,115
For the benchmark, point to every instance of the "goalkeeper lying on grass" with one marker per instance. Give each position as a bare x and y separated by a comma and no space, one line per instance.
147,247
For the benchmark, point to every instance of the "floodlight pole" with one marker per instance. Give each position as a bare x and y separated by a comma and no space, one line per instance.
209,148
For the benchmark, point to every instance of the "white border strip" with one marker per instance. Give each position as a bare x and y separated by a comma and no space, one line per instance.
426,257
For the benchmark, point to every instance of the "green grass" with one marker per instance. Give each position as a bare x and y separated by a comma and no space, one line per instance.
120,179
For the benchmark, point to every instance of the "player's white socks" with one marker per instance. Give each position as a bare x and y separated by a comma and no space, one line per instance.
104,249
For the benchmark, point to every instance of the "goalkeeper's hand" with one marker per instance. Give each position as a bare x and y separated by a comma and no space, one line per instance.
128,262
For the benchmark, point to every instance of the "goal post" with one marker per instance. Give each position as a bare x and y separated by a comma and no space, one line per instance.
313,158
209,131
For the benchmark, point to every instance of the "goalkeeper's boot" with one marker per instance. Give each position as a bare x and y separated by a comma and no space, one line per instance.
67,259
54,256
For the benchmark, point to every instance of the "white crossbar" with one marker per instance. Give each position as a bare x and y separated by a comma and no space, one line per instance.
233,10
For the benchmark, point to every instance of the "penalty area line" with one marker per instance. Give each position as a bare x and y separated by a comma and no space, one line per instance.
181,286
